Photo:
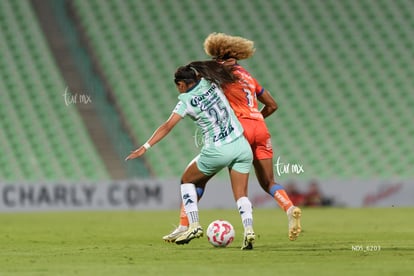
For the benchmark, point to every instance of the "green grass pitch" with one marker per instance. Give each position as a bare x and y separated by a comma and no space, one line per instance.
371,241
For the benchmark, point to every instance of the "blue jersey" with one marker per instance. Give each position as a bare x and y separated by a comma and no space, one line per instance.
206,104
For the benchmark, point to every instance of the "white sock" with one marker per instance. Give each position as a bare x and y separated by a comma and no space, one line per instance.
189,198
288,211
246,212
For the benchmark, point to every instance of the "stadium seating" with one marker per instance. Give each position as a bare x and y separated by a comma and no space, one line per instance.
41,138
341,71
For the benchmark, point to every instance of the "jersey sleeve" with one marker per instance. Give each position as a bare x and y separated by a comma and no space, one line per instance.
259,89
180,109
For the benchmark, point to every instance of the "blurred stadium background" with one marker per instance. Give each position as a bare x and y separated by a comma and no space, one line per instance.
85,82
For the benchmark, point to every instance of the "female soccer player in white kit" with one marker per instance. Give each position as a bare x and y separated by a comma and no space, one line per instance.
202,99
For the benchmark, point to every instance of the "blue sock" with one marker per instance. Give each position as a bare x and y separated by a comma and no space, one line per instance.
200,192
274,188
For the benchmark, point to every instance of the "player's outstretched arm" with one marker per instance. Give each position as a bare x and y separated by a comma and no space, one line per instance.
157,136
269,103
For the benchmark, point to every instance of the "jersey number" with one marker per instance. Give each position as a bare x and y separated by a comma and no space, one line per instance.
219,112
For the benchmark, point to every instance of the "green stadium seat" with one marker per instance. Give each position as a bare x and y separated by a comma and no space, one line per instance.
339,70
41,137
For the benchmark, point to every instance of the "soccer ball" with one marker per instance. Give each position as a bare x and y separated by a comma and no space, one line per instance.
220,233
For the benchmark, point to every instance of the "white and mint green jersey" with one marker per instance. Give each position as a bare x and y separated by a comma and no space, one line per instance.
206,104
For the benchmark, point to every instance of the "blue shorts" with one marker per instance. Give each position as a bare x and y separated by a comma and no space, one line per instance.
236,155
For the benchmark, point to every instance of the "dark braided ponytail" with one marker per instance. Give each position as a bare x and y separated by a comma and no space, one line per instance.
210,70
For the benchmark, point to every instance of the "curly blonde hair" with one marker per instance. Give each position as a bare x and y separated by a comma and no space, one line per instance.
223,46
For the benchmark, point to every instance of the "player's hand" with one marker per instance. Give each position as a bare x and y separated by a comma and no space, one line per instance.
136,153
